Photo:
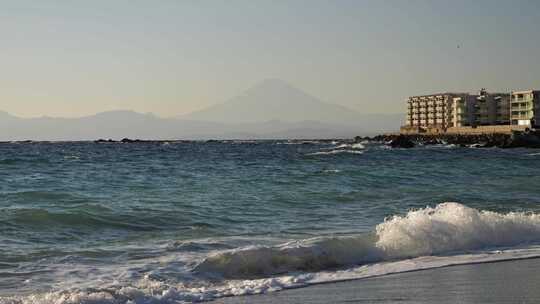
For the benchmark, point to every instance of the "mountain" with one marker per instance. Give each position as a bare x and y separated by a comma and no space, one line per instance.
274,99
120,124
270,110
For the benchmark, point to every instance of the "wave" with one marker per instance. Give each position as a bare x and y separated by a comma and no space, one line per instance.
446,228
358,146
149,290
300,142
332,152
22,160
445,235
342,148
88,216
331,171
442,146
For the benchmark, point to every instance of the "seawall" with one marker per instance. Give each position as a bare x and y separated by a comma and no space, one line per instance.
514,139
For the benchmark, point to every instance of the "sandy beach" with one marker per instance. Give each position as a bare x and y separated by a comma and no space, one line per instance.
501,282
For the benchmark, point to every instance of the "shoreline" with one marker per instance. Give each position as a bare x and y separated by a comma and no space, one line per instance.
489,282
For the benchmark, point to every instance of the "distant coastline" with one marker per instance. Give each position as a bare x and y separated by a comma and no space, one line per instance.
515,139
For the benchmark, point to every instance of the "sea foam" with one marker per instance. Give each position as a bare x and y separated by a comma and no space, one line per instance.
337,151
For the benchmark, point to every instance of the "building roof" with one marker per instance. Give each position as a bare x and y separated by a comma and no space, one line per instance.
439,94
525,91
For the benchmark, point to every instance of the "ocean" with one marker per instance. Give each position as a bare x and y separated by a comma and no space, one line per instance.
185,222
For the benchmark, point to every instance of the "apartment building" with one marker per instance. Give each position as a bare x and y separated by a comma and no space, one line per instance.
491,109
439,112
431,112
525,108
463,111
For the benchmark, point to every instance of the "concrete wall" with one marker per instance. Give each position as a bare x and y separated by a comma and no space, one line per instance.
501,129
505,129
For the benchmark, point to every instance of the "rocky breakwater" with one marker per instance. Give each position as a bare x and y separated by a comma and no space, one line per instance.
517,139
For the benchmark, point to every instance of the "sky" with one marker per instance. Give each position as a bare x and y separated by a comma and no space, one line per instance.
75,58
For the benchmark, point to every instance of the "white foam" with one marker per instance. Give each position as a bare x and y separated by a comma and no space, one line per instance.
151,291
454,227
358,146
339,151
331,171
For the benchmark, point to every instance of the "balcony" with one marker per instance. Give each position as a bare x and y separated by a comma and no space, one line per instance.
522,107
526,97
521,116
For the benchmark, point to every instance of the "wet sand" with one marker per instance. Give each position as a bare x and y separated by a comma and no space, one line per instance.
502,282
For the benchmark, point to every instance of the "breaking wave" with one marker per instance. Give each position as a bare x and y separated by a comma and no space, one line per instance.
341,148
448,234
446,228
339,151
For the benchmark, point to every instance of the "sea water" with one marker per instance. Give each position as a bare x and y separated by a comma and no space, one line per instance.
184,222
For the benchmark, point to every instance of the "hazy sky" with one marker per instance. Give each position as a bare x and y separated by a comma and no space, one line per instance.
72,58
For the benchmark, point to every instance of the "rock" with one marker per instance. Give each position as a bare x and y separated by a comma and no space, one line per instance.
130,141
518,139
401,142
524,140
433,141
101,140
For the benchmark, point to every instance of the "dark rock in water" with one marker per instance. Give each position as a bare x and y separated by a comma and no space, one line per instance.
101,140
401,142
524,140
130,141
434,141
518,139
358,139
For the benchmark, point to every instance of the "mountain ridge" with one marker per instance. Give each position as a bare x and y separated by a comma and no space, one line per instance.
269,110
